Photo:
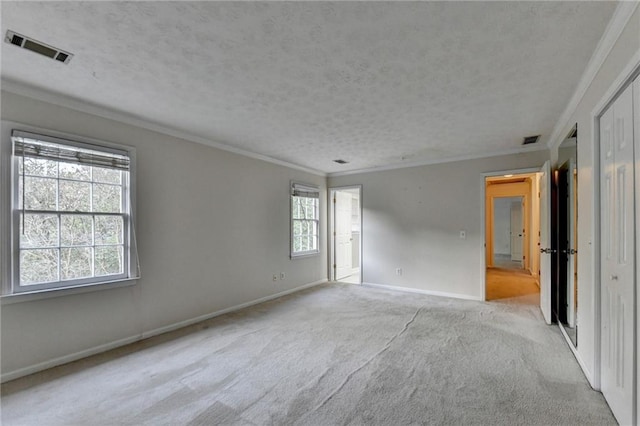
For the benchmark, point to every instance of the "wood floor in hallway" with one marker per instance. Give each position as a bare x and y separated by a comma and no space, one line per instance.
514,286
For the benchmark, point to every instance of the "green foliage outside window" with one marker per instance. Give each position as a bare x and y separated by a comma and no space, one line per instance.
71,223
305,223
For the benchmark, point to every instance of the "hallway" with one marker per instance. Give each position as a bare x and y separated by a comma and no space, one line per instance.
512,286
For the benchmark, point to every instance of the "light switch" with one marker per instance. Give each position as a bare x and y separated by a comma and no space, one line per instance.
463,235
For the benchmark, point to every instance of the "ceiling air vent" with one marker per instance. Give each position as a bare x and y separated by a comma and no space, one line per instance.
340,161
38,47
530,139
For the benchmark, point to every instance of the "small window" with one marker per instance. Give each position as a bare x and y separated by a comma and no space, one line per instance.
305,219
71,221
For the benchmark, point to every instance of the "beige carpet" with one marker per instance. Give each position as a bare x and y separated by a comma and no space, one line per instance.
515,285
332,355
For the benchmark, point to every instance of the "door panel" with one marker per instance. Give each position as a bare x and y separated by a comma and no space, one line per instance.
636,114
343,234
617,268
545,242
571,246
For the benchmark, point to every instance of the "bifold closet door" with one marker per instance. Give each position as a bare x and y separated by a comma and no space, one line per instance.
617,256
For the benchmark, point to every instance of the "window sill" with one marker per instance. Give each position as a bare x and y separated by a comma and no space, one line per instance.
29,296
304,255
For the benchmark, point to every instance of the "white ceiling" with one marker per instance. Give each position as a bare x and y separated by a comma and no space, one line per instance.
373,83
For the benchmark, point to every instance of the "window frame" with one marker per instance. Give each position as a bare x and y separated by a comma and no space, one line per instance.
308,188
10,217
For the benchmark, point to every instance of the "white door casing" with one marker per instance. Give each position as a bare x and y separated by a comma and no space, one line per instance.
343,236
516,231
617,261
636,141
545,242
572,246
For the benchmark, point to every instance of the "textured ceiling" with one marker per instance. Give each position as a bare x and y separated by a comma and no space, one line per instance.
373,83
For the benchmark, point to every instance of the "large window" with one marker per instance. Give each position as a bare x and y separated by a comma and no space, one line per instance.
71,222
305,219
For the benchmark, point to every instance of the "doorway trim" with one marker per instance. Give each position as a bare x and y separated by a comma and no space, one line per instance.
331,230
483,211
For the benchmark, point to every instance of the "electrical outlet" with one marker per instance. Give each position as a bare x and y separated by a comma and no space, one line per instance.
282,276
398,271
275,277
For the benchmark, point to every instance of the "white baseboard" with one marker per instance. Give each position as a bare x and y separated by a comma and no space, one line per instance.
421,291
191,321
25,371
576,354
65,359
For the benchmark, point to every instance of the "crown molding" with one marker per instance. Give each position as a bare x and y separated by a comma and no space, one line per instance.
621,16
44,95
476,156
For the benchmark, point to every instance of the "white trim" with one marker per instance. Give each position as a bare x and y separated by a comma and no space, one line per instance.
636,124
623,79
49,293
483,214
583,366
293,185
528,170
511,151
421,291
618,22
185,323
595,244
10,294
104,112
331,215
12,375
483,236
25,371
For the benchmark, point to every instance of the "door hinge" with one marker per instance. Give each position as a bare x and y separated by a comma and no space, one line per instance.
334,200
334,266
334,233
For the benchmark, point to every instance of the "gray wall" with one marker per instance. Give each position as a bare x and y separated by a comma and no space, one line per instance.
212,229
412,218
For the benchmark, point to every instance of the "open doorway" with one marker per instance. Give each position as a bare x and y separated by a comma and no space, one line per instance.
508,232
345,230
512,238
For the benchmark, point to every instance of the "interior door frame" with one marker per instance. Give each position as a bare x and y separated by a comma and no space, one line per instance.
483,219
626,77
331,230
514,191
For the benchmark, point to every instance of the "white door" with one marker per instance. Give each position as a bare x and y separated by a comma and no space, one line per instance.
545,242
617,257
571,247
342,222
636,113
516,231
